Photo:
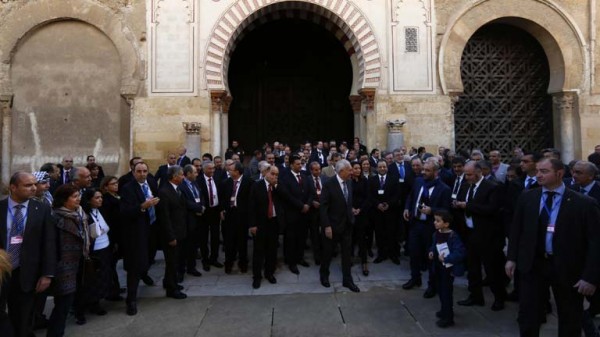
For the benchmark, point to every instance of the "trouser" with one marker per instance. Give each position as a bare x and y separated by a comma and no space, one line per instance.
345,240
386,227
360,233
265,249
172,254
235,236
294,241
491,256
58,318
20,305
533,299
420,234
315,234
445,288
210,228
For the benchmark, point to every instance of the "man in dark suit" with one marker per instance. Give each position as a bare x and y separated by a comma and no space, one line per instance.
173,229
314,184
211,218
234,194
584,173
383,192
374,159
297,201
318,154
138,208
337,222
161,173
28,234
191,194
554,239
484,236
182,159
265,214
65,170
401,170
428,195
128,177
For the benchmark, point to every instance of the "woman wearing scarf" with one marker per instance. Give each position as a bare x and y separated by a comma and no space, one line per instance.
73,249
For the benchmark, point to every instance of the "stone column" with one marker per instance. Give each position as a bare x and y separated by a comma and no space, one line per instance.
369,127
356,103
130,101
216,98
567,138
192,139
395,137
454,98
6,109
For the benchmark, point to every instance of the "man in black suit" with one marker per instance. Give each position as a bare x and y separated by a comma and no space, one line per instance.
265,214
183,160
318,154
584,173
554,239
28,234
65,170
209,186
161,173
383,192
374,159
234,194
337,222
191,194
401,170
173,228
428,195
138,208
314,184
484,236
297,204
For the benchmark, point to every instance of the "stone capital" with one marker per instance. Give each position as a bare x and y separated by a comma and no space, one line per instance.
192,128
368,96
356,103
564,101
220,101
395,126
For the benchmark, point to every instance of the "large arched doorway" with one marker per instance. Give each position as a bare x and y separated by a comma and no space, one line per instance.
290,80
505,102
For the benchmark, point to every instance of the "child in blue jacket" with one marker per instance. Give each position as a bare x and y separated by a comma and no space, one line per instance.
448,255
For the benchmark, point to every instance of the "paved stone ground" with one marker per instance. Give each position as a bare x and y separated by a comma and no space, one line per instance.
223,305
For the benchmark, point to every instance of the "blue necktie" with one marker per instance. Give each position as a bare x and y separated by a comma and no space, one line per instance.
345,190
151,211
401,170
16,230
545,218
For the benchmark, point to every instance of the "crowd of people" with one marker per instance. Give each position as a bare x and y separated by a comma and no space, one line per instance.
64,228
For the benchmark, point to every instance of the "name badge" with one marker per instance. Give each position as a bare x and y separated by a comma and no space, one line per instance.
401,180
380,192
232,199
454,196
318,192
550,229
16,240
197,200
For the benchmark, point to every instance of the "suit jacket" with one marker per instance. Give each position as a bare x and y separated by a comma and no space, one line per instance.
309,185
485,210
593,193
336,212
409,180
161,175
171,214
360,195
193,209
390,195
128,177
205,193
183,161
314,156
576,239
136,226
440,198
258,206
243,193
295,196
38,250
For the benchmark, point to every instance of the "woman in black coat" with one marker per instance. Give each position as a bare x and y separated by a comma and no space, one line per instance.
111,213
360,204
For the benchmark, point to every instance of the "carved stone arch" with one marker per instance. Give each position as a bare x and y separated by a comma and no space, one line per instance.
35,14
341,17
555,30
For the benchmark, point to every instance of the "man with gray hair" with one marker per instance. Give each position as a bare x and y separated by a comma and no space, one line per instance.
172,220
337,222
329,171
81,178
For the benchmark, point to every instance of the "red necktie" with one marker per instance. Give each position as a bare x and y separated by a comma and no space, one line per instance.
210,193
318,186
270,210
299,179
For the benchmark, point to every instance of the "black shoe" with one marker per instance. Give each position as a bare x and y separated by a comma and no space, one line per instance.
80,319
206,267
429,293
497,305
131,308
325,282
147,280
178,295
351,286
412,283
379,259
303,263
271,279
444,323
194,272
471,301
294,269
512,296
395,259
216,264
256,283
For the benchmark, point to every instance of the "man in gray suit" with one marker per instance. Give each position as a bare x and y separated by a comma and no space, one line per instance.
498,167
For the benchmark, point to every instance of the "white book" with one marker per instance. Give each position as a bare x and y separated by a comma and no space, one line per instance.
444,251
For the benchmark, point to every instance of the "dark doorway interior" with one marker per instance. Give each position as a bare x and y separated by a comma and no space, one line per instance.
290,80
505,103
